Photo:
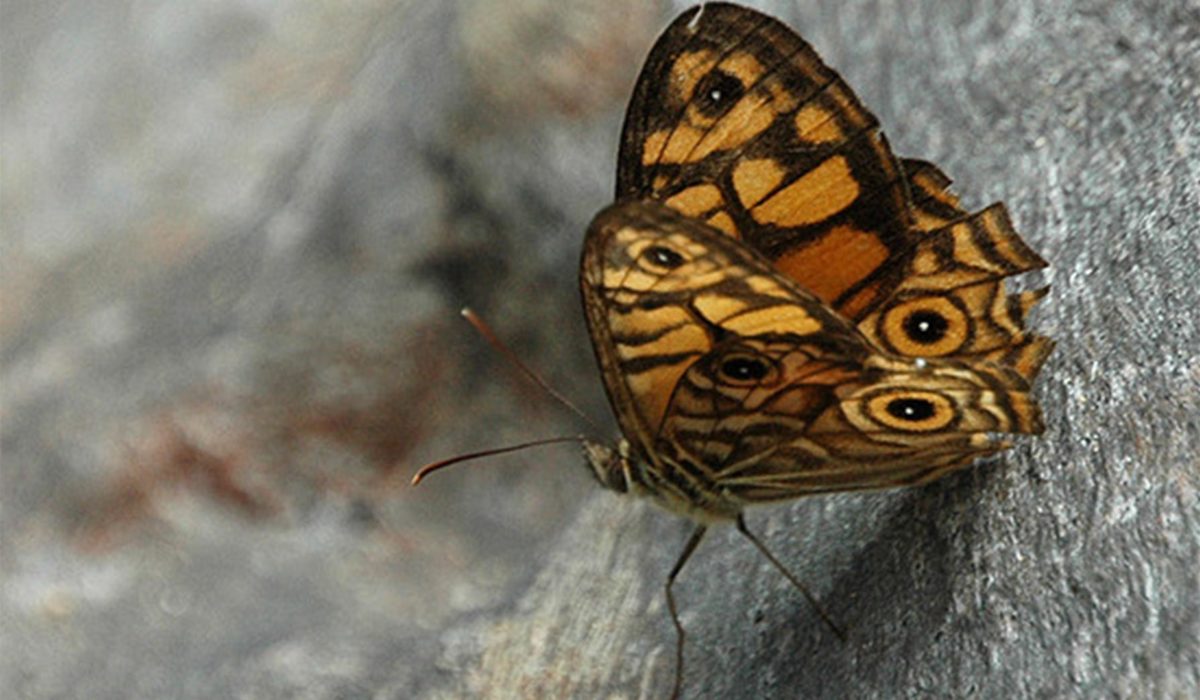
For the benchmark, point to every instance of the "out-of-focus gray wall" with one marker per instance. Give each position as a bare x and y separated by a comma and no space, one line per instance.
234,239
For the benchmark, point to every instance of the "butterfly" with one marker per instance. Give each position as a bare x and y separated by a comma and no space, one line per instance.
778,305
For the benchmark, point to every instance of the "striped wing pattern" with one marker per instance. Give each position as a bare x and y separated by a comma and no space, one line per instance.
736,121
734,385
779,305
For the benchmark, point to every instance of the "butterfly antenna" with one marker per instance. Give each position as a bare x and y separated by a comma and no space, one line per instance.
489,335
442,464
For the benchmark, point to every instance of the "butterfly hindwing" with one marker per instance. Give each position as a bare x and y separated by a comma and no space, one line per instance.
951,300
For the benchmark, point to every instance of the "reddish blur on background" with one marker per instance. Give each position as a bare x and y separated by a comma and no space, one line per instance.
236,237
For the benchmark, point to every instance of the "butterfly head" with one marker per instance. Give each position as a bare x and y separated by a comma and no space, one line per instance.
611,466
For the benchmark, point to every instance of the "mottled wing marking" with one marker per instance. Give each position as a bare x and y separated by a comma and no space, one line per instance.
820,424
736,121
933,204
658,319
952,299
779,306
735,385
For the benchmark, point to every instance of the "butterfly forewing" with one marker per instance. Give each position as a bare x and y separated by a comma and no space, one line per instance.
662,291
737,122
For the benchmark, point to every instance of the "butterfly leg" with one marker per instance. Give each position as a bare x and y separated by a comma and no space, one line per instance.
741,526
693,541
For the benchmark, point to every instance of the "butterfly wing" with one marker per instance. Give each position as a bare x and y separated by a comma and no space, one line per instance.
661,291
737,122
952,302
735,385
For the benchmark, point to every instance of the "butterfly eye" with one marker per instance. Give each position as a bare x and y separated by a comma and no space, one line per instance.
926,327
663,257
914,411
744,369
717,92
910,409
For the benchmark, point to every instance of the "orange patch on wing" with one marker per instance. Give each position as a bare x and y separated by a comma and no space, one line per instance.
685,338
926,261
928,222
744,66
986,299
696,200
798,401
835,262
682,146
753,179
814,124
747,119
860,302
761,284
724,223
785,318
635,280
653,388
716,307
642,322
652,147
815,196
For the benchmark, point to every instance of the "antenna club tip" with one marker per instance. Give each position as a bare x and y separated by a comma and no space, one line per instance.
466,312
415,480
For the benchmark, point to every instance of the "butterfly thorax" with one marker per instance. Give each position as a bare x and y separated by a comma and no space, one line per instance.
621,470
610,466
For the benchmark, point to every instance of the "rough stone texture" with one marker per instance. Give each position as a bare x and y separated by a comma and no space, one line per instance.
235,236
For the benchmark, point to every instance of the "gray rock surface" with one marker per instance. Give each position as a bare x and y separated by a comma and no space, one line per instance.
235,237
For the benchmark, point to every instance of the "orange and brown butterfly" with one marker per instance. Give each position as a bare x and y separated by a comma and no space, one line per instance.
780,306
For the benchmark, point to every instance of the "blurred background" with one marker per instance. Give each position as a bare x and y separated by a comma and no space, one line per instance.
235,239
